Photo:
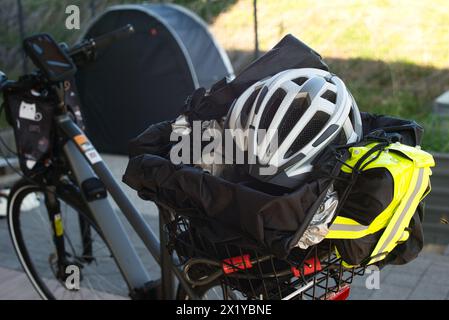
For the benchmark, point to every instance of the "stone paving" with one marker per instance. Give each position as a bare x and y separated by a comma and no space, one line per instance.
427,277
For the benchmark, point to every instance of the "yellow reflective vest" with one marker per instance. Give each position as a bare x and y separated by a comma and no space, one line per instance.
410,170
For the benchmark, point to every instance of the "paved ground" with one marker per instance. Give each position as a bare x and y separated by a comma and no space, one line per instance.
18,285
427,277
14,285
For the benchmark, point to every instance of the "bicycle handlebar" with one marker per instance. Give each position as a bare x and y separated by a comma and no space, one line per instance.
80,54
107,39
86,50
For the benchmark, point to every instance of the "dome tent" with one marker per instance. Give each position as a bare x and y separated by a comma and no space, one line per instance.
145,78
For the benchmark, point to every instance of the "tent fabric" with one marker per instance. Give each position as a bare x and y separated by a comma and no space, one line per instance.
145,78
208,59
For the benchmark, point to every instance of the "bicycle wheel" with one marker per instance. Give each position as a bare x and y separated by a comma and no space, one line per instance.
91,273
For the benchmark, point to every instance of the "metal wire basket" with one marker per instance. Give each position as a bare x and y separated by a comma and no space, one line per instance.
316,273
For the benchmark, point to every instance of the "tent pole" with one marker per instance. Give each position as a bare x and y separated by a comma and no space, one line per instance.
22,33
256,35
93,6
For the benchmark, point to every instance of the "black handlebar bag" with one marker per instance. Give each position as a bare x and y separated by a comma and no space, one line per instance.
31,115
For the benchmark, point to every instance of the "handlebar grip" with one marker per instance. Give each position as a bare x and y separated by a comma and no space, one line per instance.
108,38
86,51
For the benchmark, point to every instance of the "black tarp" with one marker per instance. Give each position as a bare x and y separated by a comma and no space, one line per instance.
145,79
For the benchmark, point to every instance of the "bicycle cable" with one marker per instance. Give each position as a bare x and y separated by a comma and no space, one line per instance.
217,274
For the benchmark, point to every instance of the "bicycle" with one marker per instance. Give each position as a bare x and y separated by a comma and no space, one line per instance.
82,231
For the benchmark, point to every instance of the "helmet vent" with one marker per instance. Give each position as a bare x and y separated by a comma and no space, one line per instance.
342,138
260,98
297,109
300,81
330,96
246,109
351,117
310,131
271,108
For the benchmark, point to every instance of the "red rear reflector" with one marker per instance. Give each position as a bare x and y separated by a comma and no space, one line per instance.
153,31
236,263
342,294
311,266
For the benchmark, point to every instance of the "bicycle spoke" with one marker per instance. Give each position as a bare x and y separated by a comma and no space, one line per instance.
100,277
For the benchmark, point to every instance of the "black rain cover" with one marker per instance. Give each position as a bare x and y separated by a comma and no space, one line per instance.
274,221
271,221
246,209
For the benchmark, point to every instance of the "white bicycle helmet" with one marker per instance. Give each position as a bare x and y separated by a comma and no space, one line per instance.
307,109
241,114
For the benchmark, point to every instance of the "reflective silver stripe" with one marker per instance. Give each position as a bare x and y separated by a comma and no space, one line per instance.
404,211
347,227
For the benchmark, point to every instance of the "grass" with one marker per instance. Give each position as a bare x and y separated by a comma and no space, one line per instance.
393,55
400,30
